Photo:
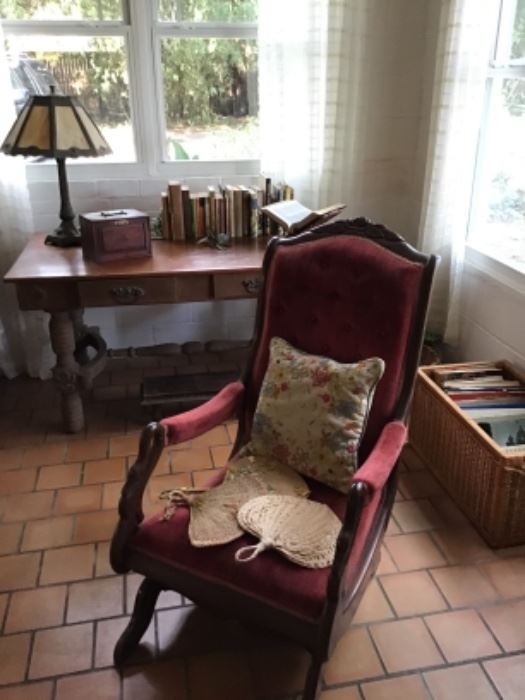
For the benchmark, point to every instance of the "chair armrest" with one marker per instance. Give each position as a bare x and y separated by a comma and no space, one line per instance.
154,438
380,462
364,500
198,421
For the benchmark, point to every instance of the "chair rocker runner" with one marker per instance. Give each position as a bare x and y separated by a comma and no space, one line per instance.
348,290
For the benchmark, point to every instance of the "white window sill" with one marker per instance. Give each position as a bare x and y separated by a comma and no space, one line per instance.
506,273
181,170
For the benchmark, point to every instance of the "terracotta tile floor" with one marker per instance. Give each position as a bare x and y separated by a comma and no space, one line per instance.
443,619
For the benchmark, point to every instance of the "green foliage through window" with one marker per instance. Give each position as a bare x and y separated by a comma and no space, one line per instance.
97,75
209,83
514,90
206,80
208,10
61,9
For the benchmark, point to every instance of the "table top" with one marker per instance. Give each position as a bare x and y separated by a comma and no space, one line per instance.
39,262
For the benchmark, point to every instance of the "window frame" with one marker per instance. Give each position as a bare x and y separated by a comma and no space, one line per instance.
499,66
142,33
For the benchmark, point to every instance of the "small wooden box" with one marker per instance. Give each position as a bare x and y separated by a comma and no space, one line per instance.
115,235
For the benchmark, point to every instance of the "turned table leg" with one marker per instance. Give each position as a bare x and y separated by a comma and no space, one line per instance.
80,329
66,371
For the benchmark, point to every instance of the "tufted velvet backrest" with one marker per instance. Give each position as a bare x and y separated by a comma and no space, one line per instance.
344,297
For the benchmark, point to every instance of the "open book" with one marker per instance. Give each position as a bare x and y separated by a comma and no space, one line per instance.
294,216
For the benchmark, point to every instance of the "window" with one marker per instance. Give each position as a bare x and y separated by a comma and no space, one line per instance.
170,82
497,224
208,59
81,48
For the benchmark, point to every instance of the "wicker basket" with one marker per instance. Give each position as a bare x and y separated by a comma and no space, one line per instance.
485,482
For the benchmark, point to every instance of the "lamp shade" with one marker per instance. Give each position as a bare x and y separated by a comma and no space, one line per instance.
55,126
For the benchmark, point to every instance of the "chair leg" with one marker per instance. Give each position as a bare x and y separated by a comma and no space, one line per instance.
313,680
142,613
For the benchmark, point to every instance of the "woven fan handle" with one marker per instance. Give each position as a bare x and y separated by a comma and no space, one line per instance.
178,497
184,495
249,553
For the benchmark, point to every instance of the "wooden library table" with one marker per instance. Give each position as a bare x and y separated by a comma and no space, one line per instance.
61,282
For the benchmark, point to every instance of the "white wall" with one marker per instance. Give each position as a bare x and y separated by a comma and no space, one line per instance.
386,183
386,186
492,317
428,68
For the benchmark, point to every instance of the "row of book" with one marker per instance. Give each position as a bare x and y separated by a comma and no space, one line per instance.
230,209
491,397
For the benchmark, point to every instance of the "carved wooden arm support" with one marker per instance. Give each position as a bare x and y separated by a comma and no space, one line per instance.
357,500
130,504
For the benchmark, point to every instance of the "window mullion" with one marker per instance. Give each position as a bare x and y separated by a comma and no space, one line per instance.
510,71
194,30
160,99
477,195
504,37
63,28
144,99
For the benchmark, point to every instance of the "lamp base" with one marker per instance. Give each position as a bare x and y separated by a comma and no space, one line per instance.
66,235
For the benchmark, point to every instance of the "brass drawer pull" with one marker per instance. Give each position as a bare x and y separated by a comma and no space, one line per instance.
127,295
252,286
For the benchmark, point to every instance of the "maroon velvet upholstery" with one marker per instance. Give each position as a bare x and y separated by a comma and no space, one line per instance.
377,467
191,424
345,298
271,577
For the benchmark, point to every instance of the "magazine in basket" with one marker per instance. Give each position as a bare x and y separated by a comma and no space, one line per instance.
490,395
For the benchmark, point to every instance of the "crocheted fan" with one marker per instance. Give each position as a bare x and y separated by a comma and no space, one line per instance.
213,512
304,531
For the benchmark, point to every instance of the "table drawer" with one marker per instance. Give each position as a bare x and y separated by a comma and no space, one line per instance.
51,296
127,292
193,288
238,285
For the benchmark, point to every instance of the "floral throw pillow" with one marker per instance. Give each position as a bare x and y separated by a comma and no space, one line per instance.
312,412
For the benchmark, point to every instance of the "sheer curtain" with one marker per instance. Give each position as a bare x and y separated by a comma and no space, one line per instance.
466,33
318,61
309,69
24,337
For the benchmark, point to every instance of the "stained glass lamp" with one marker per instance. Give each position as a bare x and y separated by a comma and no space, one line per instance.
56,126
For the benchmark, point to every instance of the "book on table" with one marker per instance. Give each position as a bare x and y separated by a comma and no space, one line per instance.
295,217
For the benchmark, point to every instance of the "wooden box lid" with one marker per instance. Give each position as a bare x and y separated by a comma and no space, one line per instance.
97,217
